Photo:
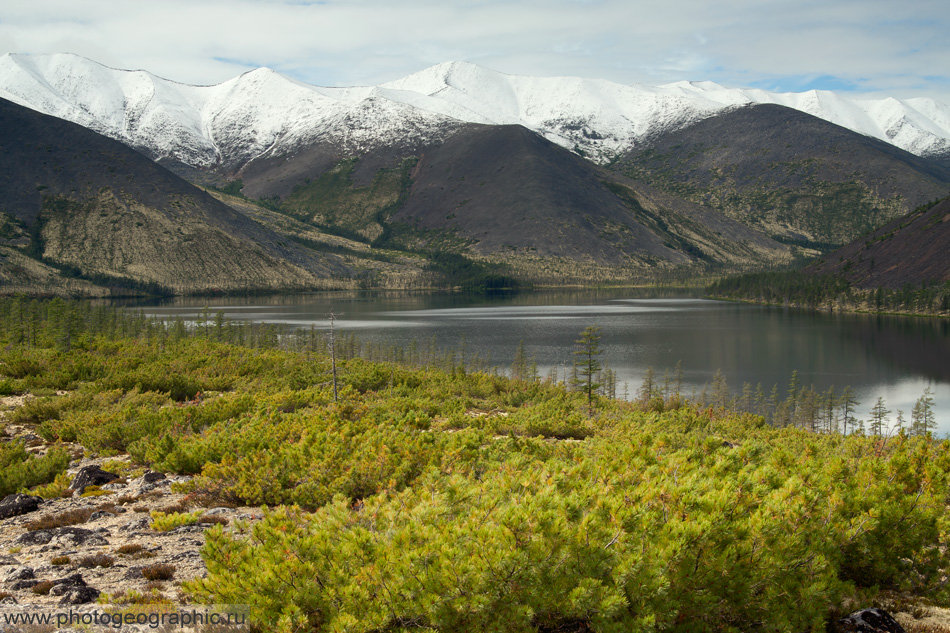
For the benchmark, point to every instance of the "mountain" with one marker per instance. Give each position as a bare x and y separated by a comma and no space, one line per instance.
792,175
511,191
544,178
78,204
262,114
505,194
914,249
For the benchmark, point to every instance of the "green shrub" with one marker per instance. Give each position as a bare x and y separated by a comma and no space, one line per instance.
19,470
37,410
56,489
162,522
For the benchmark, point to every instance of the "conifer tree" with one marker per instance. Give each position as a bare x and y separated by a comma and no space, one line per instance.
922,420
519,367
587,364
848,403
879,418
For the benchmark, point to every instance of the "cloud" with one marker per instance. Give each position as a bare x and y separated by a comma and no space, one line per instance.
865,44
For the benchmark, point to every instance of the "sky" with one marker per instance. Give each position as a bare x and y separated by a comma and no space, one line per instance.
898,48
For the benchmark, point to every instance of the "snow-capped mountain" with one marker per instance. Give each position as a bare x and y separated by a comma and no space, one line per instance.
262,113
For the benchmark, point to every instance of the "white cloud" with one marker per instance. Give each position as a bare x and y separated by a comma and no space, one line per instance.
865,43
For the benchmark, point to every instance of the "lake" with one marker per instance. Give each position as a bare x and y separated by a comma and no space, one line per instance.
892,357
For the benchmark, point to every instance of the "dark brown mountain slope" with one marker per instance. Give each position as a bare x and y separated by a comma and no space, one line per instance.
507,189
506,193
792,175
83,201
914,249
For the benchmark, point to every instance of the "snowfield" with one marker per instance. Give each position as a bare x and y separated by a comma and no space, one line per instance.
263,113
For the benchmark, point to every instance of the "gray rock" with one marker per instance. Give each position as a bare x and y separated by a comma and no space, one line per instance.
151,477
190,529
91,476
101,514
36,537
19,573
74,537
134,572
80,595
20,585
140,524
870,621
219,510
65,585
9,600
17,504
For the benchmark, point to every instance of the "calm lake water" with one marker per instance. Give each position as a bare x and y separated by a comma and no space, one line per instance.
892,357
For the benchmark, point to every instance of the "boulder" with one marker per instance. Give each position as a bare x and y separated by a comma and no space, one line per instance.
870,621
20,585
80,595
36,537
75,537
91,476
16,504
99,514
19,573
66,585
69,537
152,476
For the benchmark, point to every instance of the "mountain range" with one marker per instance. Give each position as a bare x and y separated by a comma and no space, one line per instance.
262,113
541,179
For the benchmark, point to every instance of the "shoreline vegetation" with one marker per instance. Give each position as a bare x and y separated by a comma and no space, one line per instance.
831,293
421,493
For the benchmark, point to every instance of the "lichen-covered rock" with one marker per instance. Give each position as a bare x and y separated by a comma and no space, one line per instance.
69,537
36,537
17,504
101,514
91,476
18,573
80,595
75,537
20,585
870,621
65,585
152,476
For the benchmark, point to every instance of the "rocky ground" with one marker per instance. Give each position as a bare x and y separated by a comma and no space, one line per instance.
80,552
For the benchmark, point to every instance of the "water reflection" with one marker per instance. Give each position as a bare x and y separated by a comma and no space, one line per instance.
893,357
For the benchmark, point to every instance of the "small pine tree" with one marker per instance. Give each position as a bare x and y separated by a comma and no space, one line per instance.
848,403
879,418
922,419
648,386
721,394
519,368
587,364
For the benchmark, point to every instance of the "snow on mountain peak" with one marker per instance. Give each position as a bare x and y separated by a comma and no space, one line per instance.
263,112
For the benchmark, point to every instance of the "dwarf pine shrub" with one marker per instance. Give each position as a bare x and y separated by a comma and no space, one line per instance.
162,522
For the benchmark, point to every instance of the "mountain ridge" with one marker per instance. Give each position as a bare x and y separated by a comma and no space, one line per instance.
261,112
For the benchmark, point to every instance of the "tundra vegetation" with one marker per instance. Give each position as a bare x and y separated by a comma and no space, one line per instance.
430,496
